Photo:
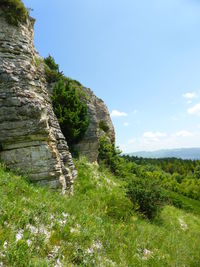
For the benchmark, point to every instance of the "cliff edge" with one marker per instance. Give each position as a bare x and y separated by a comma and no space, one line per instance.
30,137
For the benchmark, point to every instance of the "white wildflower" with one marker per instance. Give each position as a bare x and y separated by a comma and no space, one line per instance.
75,230
146,254
36,219
62,222
182,224
29,242
58,263
106,262
65,215
90,251
54,252
1,264
52,217
95,246
2,255
32,229
19,235
45,232
5,245
42,230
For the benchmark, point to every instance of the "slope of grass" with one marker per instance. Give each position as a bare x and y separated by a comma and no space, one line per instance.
184,202
95,227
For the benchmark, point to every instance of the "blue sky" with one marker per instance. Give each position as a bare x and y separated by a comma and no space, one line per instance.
141,57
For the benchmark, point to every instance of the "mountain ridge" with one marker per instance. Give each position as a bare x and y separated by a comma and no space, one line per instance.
182,153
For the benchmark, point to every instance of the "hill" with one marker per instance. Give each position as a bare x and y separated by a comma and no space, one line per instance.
182,153
95,227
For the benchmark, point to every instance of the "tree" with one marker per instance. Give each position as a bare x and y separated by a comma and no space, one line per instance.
71,112
52,71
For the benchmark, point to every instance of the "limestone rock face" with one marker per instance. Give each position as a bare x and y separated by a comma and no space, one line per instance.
30,137
97,111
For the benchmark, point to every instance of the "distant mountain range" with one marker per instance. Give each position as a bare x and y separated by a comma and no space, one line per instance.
183,153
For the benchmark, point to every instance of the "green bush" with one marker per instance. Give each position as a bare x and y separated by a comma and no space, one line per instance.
178,202
119,207
71,112
109,156
103,126
14,11
146,196
108,153
52,70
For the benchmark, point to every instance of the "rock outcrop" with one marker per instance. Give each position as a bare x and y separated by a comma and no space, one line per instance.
30,137
98,112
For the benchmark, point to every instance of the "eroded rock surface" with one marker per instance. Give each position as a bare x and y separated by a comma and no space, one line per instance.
97,111
30,137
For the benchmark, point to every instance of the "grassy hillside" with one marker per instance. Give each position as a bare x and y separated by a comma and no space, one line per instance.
95,227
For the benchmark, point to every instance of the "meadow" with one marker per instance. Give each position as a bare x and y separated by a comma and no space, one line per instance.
95,227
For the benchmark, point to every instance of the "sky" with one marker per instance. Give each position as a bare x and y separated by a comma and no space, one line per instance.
142,57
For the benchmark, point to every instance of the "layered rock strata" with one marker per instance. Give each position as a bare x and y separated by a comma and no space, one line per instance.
30,137
97,111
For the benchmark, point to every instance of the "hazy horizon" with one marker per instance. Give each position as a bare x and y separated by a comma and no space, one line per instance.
175,148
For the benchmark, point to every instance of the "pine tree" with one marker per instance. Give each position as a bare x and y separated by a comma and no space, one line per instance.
71,112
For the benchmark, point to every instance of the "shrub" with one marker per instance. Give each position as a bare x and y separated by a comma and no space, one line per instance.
52,70
119,207
14,11
71,112
108,154
178,202
103,126
146,195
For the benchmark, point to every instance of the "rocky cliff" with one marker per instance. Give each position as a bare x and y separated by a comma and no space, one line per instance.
30,137
98,113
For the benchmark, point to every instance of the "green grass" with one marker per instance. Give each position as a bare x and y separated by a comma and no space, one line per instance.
95,227
184,202
14,11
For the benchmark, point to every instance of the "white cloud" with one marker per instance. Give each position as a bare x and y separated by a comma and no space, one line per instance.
190,95
126,124
116,113
195,110
150,141
183,133
154,135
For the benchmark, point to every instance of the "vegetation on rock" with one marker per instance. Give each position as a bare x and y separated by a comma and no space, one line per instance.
14,11
103,126
71,112
52,70
109,155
